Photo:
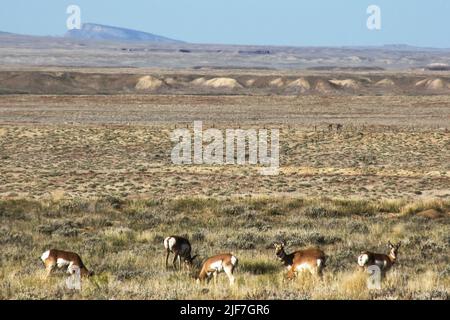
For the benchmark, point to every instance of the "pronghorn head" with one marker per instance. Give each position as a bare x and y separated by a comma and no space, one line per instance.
90,273
394,249
82,271
279,249
86,273
190,260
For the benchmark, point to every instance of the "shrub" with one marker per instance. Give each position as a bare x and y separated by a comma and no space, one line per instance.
357,227
114,202
260,267
198,236
319,212
244,241
189,204
233,210
15,209
415,207
73,206
303,239
16,238
65,228
273,210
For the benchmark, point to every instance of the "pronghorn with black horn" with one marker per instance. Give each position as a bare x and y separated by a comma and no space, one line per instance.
220,263
383,261
312,260
58,258
181,248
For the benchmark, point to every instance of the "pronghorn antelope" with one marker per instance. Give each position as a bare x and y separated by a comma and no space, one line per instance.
383,261
181,248
58,258
312,260
217,264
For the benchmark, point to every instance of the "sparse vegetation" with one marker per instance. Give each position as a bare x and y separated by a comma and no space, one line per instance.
57,161
128,259
85,174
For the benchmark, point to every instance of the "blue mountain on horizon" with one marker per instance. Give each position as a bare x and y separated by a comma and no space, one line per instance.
93,31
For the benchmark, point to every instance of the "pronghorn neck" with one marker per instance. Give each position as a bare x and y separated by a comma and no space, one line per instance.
282,256
202,275
392,256
84,271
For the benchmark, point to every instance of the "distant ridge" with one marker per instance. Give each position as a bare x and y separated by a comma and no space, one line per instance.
92,31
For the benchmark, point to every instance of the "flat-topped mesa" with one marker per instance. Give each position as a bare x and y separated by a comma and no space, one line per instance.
93,31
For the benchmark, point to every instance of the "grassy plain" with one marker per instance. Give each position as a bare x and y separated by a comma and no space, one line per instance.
122,242
93,174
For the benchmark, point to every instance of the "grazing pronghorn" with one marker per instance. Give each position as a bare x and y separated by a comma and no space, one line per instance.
214,265
383,261
181,248
58,258
312,260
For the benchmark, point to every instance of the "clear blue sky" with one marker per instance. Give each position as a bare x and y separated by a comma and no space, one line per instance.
276,22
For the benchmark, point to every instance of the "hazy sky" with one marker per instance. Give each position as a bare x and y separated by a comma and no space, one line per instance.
277,22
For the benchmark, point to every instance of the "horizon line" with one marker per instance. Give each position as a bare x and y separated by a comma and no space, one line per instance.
183,42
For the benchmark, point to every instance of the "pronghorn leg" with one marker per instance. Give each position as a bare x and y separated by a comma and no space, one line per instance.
319,273
229,273
291,273
174,262
314,271
215,274
179,262
49,268
167,259
70,268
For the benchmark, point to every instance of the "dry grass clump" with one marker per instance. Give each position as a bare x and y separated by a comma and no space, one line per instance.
440,205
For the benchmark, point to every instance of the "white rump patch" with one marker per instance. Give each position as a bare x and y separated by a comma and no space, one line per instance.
319,262
166,242
172,242
233,260
45,255
362,260
169,242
